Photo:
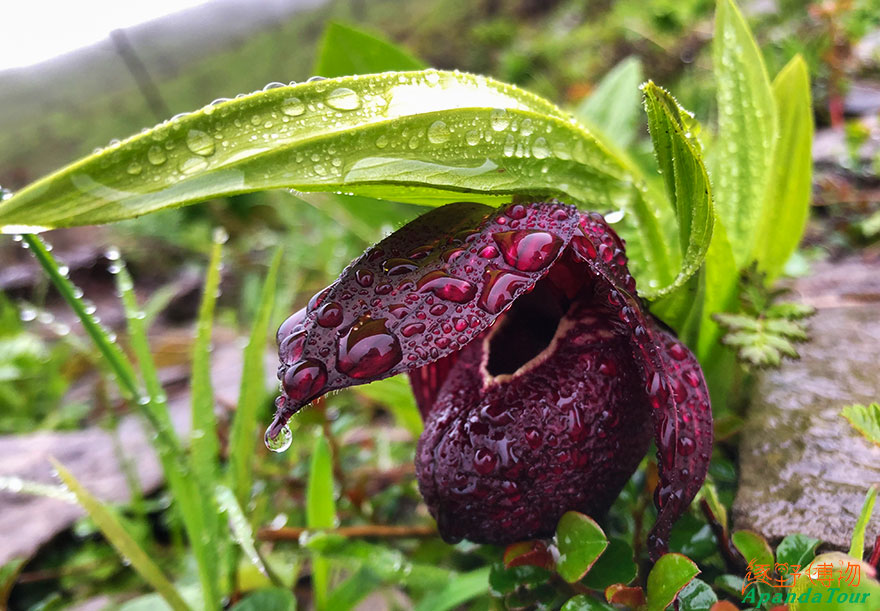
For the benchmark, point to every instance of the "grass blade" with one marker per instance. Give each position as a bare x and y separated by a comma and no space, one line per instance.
614,105
191,494
204,446
124,543
252,392
857,545
458,591
320,513
113,356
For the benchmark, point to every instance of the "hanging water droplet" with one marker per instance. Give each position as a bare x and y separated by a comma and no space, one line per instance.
343,98
281,440
438,133
200,143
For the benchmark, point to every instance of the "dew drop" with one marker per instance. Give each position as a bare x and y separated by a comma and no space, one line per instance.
472,137
499,120
540,150
412,329
368,349
438,133
134,168
293,107
156,155
381,142
343,98
200,143
398,266
286,328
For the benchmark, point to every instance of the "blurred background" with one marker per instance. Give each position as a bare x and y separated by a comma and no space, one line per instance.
75,76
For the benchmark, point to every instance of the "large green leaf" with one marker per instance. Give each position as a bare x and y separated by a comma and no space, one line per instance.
787,201
679,157
346,50
746,129
422,137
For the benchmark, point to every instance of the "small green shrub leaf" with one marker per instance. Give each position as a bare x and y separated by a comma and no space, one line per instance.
671,573
580,541
753,547
797,550
865,419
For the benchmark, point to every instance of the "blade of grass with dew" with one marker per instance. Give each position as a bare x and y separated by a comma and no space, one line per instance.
242,531
113,356
252,391
857,545
204,446
320,513
124,543
191,495
17,485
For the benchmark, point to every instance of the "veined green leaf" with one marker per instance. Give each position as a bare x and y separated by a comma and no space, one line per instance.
421,137
746,129
679,158
124,543
614,105
346,50
347,134
787,202
251,392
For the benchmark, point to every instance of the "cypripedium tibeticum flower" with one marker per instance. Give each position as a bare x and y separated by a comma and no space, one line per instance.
538,371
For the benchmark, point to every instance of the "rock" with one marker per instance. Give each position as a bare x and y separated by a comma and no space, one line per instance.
803,469
27,522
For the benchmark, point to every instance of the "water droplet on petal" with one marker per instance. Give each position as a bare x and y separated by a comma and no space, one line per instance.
368,349
447,287
304,380
330,315
528,250
499,290
398,266
484,461
287,326
364,277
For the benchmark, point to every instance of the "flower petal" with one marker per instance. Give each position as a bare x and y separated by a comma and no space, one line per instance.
674,382
503,456
422,293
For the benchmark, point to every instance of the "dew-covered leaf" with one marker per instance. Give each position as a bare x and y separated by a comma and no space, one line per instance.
746,129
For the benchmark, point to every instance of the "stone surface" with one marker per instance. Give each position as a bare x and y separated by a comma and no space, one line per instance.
802,466
27,522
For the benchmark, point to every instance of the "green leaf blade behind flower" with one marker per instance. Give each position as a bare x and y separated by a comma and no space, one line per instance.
789,190
746,129
346,50
614,105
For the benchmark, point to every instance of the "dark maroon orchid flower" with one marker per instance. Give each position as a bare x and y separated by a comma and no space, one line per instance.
537,369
